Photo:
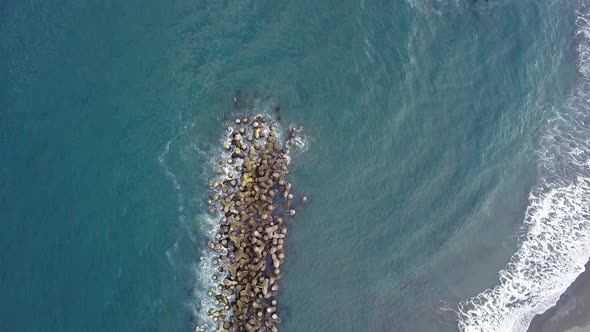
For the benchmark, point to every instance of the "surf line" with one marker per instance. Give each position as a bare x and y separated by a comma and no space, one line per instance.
252,199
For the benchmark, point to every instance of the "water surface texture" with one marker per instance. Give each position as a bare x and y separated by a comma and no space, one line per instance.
447,162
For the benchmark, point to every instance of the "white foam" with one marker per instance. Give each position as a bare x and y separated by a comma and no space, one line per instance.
300,141
556,242
180,199
204,271
162,160
583,33
552,255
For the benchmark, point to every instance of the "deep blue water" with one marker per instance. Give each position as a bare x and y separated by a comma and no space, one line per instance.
445,140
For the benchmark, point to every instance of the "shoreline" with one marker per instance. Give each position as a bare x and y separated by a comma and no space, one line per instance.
572,311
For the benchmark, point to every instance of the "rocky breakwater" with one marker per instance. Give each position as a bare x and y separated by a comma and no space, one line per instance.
252,199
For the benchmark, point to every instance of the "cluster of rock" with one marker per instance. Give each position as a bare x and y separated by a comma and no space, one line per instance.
253,199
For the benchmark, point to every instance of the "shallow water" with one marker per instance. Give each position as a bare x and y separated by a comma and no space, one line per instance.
430,134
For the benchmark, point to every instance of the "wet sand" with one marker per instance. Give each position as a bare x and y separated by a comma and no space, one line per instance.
572,311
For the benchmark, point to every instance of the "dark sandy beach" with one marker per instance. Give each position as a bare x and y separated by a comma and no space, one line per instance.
572,311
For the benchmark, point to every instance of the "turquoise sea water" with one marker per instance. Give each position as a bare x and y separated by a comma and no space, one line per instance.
446,139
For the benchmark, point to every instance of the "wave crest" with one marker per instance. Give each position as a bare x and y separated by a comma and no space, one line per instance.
556,242
552,255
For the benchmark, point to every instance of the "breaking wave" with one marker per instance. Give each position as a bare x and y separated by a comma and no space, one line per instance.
556,241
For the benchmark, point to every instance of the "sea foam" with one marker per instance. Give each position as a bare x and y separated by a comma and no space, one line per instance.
556,233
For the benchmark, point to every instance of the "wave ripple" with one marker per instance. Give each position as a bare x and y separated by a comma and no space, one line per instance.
556,242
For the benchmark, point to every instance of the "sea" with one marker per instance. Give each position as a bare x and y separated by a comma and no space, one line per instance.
446,158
